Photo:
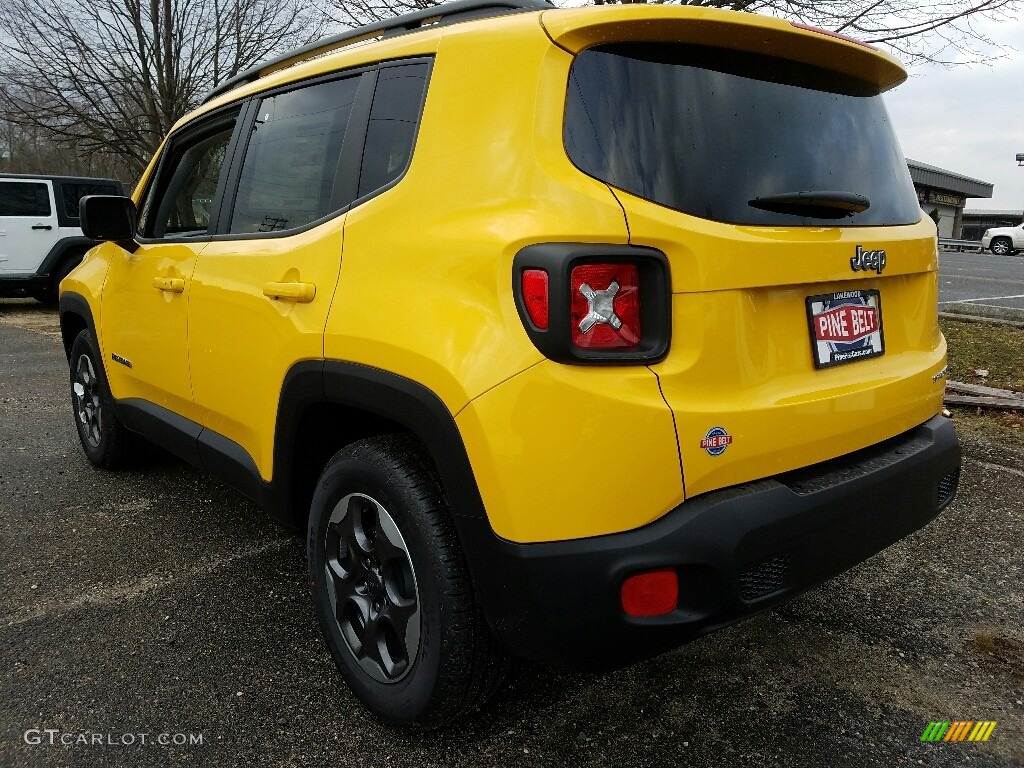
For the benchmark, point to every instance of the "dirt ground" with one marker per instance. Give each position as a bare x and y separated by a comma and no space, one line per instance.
158,601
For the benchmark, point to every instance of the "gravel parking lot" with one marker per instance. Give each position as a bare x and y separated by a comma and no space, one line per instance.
160,602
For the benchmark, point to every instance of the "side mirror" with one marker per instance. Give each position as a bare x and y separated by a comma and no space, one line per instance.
109,218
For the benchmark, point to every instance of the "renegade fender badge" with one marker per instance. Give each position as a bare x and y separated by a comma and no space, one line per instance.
716,441
868,260
122,360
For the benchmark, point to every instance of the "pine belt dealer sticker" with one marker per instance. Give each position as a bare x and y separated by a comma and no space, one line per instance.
716,441
845,327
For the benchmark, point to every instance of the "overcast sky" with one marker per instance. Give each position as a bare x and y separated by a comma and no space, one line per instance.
969,119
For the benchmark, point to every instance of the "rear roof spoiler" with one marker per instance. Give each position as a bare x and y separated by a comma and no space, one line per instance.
575,29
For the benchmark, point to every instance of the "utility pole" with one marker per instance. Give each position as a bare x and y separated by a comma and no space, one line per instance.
1020,162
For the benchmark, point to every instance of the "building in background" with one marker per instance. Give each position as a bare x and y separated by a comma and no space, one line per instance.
943,194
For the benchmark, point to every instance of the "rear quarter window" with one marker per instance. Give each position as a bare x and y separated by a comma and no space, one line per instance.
71,195
705,131
394,120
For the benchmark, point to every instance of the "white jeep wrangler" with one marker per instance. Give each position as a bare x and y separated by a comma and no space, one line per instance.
41,237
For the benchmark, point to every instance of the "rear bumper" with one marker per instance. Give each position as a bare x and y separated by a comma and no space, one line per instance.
736,551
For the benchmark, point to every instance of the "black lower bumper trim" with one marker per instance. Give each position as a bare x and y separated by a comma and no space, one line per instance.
22,285
736,551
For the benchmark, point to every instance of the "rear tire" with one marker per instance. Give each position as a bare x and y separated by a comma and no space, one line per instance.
1000,246
106,441
392,593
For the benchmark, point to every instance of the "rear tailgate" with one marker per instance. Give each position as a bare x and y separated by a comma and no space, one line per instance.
741,357
758,157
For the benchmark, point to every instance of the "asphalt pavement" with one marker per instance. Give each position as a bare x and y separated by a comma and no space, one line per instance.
158,605
982,279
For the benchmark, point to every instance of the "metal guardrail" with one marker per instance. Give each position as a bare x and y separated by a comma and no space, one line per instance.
949,244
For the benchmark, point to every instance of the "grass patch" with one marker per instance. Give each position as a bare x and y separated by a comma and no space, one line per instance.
996,348
1002,427
1000,350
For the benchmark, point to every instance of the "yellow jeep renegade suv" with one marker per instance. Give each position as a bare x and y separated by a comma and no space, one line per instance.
571,334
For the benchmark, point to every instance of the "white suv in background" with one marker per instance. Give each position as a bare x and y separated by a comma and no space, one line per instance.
41,237
1003,240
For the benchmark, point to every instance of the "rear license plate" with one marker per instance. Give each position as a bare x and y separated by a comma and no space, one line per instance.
845,327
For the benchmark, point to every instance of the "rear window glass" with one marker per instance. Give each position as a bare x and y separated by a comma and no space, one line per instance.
24,199
707,131
72,193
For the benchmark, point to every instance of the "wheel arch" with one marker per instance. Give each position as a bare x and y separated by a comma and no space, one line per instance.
75,317
325,405
63,250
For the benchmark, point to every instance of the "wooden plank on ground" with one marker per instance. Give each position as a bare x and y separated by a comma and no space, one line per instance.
985,402
978,389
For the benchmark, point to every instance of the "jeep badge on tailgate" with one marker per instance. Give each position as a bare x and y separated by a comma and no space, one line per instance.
868,260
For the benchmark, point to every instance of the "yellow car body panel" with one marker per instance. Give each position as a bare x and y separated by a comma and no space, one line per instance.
243,339
146,325
442,312
741,357
608,433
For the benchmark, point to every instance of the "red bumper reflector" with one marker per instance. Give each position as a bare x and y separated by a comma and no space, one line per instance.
535,296
651,593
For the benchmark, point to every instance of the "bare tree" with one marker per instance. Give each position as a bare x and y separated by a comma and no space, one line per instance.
355,13
110,77
942,31
916,31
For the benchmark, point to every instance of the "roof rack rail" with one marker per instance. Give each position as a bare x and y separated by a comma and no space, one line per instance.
445,13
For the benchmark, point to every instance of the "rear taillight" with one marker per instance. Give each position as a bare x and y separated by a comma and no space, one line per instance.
593,303
605,308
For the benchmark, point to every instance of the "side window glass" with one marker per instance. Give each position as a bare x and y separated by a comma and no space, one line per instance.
180,201
71,195
394,119
290,165
146,208
191,191
24,199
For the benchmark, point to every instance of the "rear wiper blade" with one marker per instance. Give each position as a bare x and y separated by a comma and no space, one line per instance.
820,205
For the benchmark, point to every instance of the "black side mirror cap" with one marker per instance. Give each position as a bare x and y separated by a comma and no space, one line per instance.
109,218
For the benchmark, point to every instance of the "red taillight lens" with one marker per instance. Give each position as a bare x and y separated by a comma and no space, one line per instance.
535,296
605,306
651,593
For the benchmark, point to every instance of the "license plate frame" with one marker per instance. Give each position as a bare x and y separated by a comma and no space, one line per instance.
845,327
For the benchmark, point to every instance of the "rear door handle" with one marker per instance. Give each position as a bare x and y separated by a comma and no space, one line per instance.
302,293
41,226
169,284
